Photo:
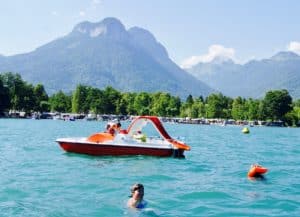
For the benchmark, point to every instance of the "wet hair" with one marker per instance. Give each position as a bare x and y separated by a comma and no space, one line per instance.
137,186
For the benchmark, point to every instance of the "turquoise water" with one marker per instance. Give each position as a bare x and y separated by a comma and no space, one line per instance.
39,179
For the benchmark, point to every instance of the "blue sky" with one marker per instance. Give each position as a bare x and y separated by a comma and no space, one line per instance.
191,30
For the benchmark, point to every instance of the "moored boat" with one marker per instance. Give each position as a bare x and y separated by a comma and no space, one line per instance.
127,142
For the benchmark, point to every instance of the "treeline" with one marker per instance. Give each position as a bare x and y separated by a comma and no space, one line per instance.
16,94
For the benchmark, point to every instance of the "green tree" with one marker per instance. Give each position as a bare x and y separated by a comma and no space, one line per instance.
27,98
238,111
41,98
252,109
276,104
45,106
126,104
189,100
79,102
296,109
198,109
187,109
174,105
293,117
110,100
95,100
4,97
60,102
130,106
160,104
17,90
218,106
142,103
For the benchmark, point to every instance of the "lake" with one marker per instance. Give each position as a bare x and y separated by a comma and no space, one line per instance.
39,179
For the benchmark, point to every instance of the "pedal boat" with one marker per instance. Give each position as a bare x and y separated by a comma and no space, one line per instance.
128,142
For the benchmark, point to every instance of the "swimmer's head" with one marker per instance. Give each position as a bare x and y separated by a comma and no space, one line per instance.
138,190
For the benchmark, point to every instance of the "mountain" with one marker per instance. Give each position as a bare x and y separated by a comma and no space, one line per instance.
101,54
253,79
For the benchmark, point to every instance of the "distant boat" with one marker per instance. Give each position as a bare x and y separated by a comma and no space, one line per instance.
223,124
90,117
35,116
68,118
57,117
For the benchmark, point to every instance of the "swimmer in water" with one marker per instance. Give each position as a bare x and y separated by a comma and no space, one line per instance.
136,199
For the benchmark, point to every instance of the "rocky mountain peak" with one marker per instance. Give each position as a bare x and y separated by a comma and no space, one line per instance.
147,40
101,54
219,60
285,55
109,27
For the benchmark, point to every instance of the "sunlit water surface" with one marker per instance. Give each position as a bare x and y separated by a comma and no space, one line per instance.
39,179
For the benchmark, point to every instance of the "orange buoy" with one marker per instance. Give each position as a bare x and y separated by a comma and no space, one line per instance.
256,170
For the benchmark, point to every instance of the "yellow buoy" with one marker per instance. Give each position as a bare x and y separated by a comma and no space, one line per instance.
245,130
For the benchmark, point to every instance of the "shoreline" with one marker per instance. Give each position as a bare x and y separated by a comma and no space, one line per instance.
175,120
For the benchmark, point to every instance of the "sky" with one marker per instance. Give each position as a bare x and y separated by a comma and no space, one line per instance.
192,31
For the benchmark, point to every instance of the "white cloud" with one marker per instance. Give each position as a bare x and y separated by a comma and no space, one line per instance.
90,8
213,52
81,13
94,4
294,46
